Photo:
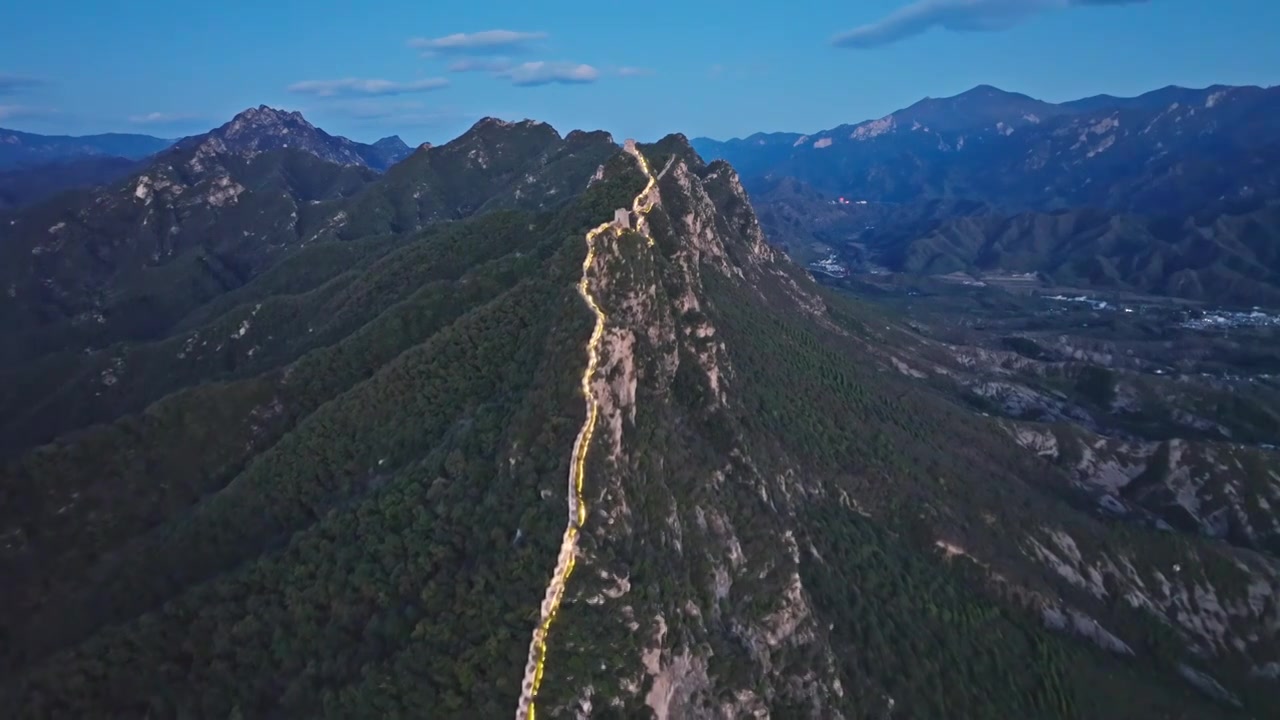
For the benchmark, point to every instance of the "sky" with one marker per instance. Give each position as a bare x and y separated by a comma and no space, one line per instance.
427,70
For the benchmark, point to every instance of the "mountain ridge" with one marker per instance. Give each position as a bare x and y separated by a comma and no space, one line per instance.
1204,160
359,454
1171,159
1080,105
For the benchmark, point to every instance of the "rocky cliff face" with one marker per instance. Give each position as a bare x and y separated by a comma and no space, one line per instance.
727,574
702,576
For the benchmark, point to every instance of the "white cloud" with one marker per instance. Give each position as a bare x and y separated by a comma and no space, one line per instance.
488,52
348,87
373,109
403,113
955,15
159,118
415,119
11,84
483,43
16,112
542,72
481,64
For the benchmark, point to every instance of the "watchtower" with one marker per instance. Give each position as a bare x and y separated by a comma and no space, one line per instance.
622,219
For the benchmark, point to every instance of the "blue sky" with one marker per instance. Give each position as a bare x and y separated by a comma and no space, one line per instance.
703,67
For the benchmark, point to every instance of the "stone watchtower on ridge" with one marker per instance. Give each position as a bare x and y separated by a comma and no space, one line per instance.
622,216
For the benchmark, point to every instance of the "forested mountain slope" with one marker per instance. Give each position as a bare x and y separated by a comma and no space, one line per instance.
27,185
339,489
1232,258
183,241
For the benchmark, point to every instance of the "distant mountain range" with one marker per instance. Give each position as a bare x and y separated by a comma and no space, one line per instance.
1179,185
1171,150
34,167
18,149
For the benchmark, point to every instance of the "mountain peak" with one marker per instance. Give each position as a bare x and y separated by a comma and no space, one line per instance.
392,141
263,129
983,106
251,125
265,115
488,122
386,152
491,129
985,89
675,142
989,91
495,122
582,137
983,93
678,145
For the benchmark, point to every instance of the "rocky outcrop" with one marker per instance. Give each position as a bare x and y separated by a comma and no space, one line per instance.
263,129
1209,488
1209,595
663,364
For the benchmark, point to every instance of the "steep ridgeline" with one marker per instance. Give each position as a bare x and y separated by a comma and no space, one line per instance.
767,517
744,455
624,218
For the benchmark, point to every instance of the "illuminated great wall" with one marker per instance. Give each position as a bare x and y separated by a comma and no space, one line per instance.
623,220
